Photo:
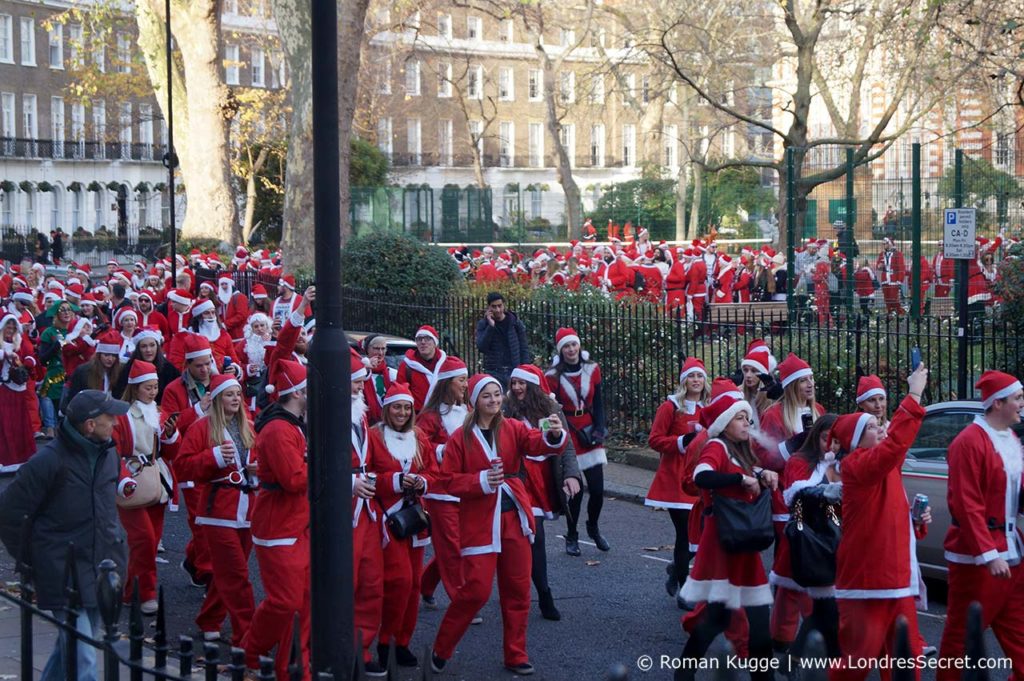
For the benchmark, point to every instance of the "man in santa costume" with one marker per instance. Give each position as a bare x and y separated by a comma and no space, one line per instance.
150,316
864,287
286,301
652,276
743,281
876,567
983,544
232,306
675,282
891,271
943,270
205,323
280,523
589,231
696,286
420,367
725,279
178,304
381,376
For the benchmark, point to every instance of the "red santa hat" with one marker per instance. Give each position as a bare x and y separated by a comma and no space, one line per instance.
23,295
196,346
287,281
359,366
112,262
398,392
452,367
848,430
429,332
203,306
564,336
793,369
121,314
288,377
141,372
759,357
180,296
722,388
692,365
74,291
225,278
221,382
477,384
109,343
720,412
258,292
868,387
147,332
996,385
531,374
87,299
207,284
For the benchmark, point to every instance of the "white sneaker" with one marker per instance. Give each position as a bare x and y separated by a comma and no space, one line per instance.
211,635
149,607
162,561
160,546
929,651
477,619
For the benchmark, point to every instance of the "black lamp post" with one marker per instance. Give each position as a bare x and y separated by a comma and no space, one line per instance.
170,159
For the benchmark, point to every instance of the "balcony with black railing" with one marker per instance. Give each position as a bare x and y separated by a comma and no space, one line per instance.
79,150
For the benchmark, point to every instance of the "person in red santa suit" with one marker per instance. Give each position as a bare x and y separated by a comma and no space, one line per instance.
725,279
420,367
927,276
368,535
178,303
653,278
576,380
287,301
215,454
696,286
983,544
260,300
444,413
864,286
79,345
728,582
620,276
232,305
876,566
677,417
402,458
891,271
675,283
280,523
150,316
743,280
205,323
381,376
142,442
820,276
757,363
483,461
944,272
17,358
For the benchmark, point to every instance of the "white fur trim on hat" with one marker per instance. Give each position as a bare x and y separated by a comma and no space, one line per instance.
1002,394
144,334
692,370
796,376
108,349
479,388
203,307
566,339
728,415
858,431
199,353
175,298
230,383
527,376
868,394
455,373
288,391
400,397
142,378
360,375
424,332
754,364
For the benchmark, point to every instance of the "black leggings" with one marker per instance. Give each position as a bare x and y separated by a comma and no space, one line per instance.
715,621
825,618
681,554
539,571
595,488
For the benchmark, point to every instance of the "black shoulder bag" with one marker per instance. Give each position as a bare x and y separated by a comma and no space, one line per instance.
813,543
744,526
410,520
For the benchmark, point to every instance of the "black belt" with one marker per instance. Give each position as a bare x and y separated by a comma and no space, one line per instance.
270,486
990,524
578,412
243,487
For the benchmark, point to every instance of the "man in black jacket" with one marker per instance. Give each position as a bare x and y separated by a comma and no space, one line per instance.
501,337
67,492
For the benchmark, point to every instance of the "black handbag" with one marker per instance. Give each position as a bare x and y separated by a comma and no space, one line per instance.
18,375
408,521
744,526
813,543
585,436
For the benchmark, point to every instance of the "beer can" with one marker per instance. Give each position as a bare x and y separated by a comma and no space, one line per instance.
920,504
372,478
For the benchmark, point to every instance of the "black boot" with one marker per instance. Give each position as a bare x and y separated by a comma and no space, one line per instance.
547,606
672,583
572,543
595,534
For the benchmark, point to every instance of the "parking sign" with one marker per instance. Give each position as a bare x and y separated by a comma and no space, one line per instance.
958,233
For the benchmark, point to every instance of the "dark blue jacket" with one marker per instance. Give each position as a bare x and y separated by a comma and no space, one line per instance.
500,358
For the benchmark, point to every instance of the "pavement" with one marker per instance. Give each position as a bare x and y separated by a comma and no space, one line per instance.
614,607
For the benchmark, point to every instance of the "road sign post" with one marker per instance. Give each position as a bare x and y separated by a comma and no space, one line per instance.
958,231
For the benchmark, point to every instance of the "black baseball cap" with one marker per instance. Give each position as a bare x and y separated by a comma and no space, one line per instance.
89,404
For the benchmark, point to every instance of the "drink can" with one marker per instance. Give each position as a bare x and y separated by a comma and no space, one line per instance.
545,424
920,504
372,478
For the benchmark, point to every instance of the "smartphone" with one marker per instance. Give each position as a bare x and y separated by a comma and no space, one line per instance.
915,358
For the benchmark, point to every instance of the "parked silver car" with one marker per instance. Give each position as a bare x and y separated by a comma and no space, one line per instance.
925,472
397,346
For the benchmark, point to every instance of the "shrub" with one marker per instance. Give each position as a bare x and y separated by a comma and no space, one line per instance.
396,263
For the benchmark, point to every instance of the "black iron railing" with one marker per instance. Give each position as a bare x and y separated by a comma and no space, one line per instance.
79,150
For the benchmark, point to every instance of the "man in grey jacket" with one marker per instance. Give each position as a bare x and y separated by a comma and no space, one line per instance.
67,492
501,337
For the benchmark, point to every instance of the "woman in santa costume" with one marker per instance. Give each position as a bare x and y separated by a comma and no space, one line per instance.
876,567
16,357
759,361
420,366
280,523
215,454
149,315
726,582
576,381
79,345
139,437
102,372
547,478
983,544
443,414
126,320
404,462
148,341
484,463
872,399
677,417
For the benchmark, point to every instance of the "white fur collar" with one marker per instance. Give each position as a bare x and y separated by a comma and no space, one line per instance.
401,446
1007,446
454,417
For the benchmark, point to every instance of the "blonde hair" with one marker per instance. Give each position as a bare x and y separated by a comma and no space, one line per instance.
219,421
705,394
792,403
410,425
757,398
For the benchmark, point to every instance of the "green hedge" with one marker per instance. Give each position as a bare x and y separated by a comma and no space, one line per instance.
397,264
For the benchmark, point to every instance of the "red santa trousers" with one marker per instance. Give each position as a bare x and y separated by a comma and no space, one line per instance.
867,630
446,565
403,567
513,567
230,589
891,295
196,551
1002,608
144,527
368,578
284,571
790,605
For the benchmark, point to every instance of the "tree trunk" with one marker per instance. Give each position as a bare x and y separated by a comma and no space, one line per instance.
478,161
255,168
573,209
681,233
698,187
293,20
352,18
651,129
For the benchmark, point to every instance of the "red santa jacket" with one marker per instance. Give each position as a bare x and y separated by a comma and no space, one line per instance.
466,465
697,285
390,460
773,433
76,353
26,354
420,374
620,276
653,281
177,399
280,511
437,428
363,510
374,389
876,558
891,268
157,319
864,282
224,496
726,277
671,423
742,285
979,493
177,324
235,313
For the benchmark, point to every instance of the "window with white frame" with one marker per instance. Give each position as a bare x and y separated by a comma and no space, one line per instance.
645,89
535,83
384,136
506,144
535,145
258,66
8,126
630,88
99,125
99,54
143,220
75,40
125,135
444,80
231,7
474,28
384,84
597,38
506,31
30,209
729,144
56,37
57,125
475,82
444,142
414,141
567,136
146,130
55,200
124,53
629,145
670,137
29,120
231,62
413,22
597,146
444,26
280,71
597,89
568,87
78,129
566,37
536,202
28,42
506,84
1002,149
673,93
97,209
476,135
76,210
8,208
6,39
412,78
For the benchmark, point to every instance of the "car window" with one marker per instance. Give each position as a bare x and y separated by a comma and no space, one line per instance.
936,434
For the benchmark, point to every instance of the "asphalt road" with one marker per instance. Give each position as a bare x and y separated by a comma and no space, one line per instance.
614,606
